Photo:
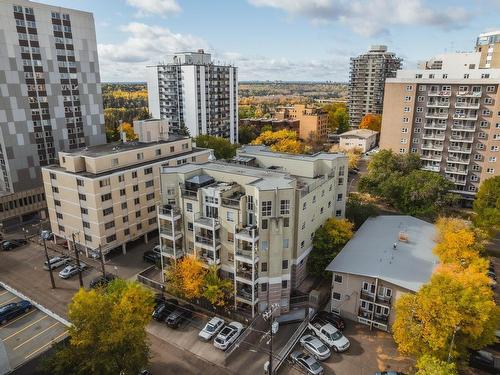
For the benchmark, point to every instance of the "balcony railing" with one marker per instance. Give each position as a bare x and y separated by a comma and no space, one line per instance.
384,300
436,115
457,181
431,146
434,125
206,241
469,94
249,234
465,116
366,296
190,194
438,93
460,171
247,255
170,252
167,230
431,168
467,105
434,137
432,157
170,212
246,274
434,104
465,128
229,202
465,150
207,222
451,159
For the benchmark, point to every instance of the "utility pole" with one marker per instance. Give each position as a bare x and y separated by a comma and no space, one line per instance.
268,315
77,256
101,256
52,282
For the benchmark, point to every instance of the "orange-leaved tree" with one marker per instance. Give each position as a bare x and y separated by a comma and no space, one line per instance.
371,121
281,141
185,278
128,129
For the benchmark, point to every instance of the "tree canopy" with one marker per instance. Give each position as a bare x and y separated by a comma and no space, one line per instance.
338,117
223,149
129,131
399,180
281,141
216,289
246,134
185,277
327,243
429,365
487,206
108,334
371,122
358,210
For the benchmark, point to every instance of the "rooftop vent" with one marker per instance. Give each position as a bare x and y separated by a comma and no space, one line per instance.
403,236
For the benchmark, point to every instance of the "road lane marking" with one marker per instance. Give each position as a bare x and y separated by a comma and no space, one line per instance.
34,337
21,330
15,320
44,345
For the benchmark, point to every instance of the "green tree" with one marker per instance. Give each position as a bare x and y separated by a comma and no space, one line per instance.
429,365
487,206
359,210
223,149
327,243
246,111
216,289
338,118
246,134
108,332
266,128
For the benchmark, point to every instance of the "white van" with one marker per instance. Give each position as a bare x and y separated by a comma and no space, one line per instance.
56,262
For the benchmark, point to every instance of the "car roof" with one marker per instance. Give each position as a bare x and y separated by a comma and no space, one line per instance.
7,307
215,320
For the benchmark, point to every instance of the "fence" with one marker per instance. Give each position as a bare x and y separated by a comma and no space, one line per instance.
141,277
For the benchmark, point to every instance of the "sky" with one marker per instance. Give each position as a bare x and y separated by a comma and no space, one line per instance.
289,40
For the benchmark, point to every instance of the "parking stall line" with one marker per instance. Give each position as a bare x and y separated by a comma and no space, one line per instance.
46,344
10,300
24,328
34,337
1,294
15,320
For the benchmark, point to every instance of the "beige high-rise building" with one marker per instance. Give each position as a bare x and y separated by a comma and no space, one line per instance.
488,44
312,120
449,114
107,195
253,218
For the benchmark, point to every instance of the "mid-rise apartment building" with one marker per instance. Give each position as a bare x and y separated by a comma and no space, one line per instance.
488,44
195,94
368,73
50,97
313,121
253,218
387,257
449,114
107,195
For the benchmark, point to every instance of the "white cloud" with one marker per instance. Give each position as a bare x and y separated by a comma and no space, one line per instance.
155,7
370,17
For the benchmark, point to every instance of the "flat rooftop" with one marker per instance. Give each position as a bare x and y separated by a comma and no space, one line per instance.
117,147
263,150
359,133
265,179
371,252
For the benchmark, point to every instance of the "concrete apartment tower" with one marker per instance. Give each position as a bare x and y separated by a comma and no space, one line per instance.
448,112
194,93
50,98
367,79
488,44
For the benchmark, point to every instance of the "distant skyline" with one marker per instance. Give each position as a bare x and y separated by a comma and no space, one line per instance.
288,40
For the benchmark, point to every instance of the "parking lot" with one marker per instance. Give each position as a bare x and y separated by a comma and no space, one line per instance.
29,334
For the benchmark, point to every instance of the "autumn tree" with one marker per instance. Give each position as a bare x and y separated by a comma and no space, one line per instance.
185,278
266,128
281,141
359,209
429,365
371,122
487,206
327,243
246,134
223,149
216,289
108,332
353,157
128,129
456,306
338,117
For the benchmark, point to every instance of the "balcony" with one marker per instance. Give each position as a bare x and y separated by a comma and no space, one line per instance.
451,159
457,181
206,222
170,233
437,158
454,170
244,274
464,128
433,136
467,105
209,258
168,213
436,115
247,256
432,147
244,294
469,94
383,300
437,104
363,294
207,242
465,116
438,93
464,150
461,138
189,194
170,252
248,234
434,125
432,168
381,319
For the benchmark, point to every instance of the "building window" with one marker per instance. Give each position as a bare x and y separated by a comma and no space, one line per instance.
266,208
88,238
304,206
263,287
134,174
79,182
61,228
55,189
338,213
107,211
230,216
190,226
284,284
59,215
150,196
285,207
126,232
264,224
284,264
409,88
285,243
490,89
286,222
109,225
148,170
302,244
135,187
105,182
140,156
84,210
122,192
124,205
336,296
490,170
114,162
337,278
339,197
264,246
121,178
111,238
263,267
139,226
138,214
106,197
189,207
86,224
151,209
125,219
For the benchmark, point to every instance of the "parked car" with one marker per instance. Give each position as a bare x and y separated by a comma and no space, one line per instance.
329,335
157,249
228,335
315,347
12,244
46,235
213,326
13,310
56,262
179,316
101,281
164,309
145,372
332,318
71,270
150,257
307,362
485,361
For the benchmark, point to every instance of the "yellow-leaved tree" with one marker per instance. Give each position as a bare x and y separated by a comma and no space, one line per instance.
185,278
216,289
371,122
128,129
281,141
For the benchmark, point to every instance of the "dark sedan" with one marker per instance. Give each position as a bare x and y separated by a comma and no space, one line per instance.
12,244
151,257
179,315
101,281
13,310
164,309
332,318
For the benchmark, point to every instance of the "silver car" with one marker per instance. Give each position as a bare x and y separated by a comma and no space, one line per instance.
307,362
56,262
315,347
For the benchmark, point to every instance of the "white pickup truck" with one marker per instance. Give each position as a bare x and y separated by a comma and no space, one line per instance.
330,335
